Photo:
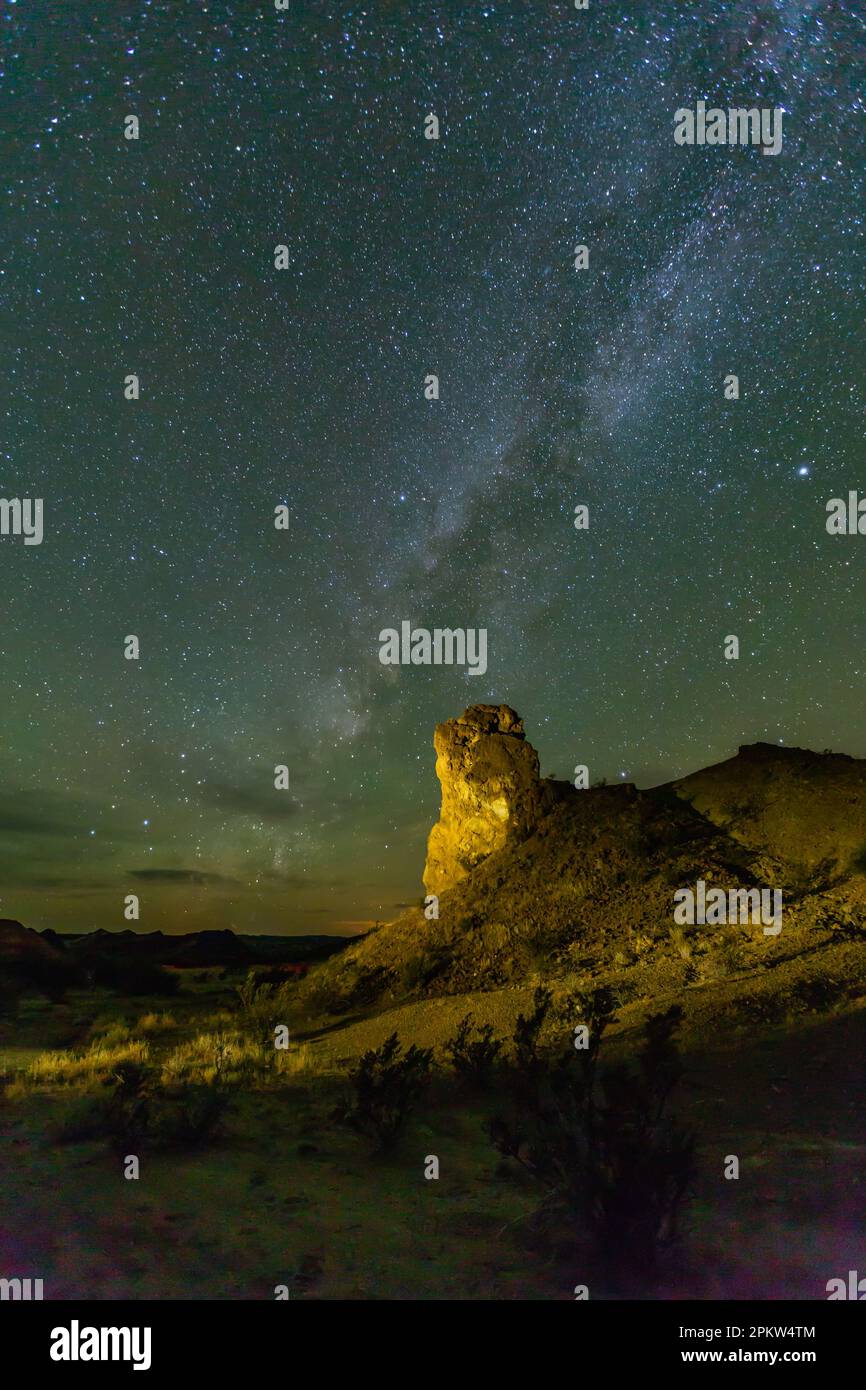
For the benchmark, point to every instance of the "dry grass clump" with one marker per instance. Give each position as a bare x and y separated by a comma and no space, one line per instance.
99,1061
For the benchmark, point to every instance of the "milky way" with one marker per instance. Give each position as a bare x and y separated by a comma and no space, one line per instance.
305,387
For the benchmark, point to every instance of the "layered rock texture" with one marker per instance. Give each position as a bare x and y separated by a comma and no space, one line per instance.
492,794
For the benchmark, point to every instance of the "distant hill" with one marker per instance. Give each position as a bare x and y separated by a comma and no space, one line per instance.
200,949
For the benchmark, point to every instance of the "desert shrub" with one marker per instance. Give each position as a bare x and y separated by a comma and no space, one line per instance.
534,957
368,986
500,937
848,926
82,1117
527,1032
248,994
642,942
189,1116
422,969
473,1051
543,934
626,992
666,837
724,961
133,1113
214,1059
600,1145
327,994
767,1008
280,974
135,978
10,996
384,1088
34,975
346,985
295,1060
819,994
46,975
120,1114
261,1007
127,1107
680,942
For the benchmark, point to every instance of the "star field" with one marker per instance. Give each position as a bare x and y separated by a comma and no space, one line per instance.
304,387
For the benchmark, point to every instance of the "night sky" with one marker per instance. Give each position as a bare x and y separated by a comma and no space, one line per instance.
305,387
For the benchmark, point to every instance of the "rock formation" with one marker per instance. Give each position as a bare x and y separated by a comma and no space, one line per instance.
492,794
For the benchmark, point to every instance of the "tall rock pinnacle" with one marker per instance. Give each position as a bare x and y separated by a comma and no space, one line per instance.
491,791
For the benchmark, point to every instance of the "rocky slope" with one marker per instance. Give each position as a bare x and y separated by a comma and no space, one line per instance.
808,810
538,881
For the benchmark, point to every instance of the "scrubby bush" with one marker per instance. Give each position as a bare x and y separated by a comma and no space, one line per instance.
48,976
764,1009
327,993
681,943
261,1007
367,986
36,974
847,925
127,1108
81,1118
422,969
133,1113
214,1059
120,1113
819,994
473,1051
135,978
384,1088
296,1060
248,994
190,1116
10,996
527,1032
600,1145
725,960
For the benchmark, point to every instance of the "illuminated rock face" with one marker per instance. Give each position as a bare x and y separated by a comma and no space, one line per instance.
491,791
